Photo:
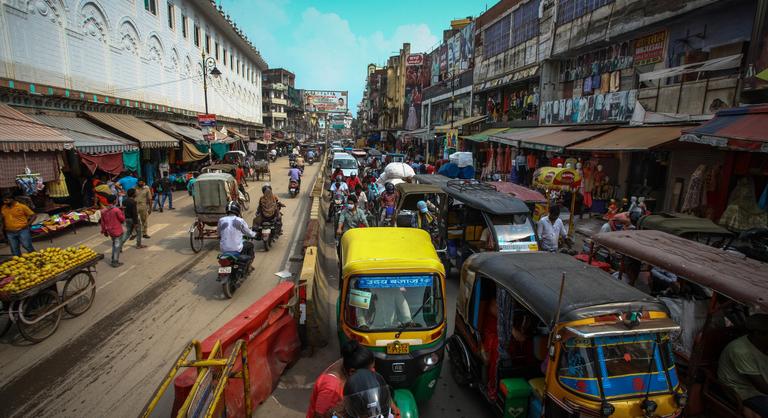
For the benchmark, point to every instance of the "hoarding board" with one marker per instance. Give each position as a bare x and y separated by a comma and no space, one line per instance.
326,101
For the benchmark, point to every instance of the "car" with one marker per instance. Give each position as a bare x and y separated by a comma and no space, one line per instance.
347,162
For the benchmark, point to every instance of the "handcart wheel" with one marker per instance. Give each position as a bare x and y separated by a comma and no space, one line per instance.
83,284
40,316
5,319
196,238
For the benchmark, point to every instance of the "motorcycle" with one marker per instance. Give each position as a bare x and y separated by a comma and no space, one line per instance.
232,272
273,157
268,231
387,213
336,206
293,188
310,160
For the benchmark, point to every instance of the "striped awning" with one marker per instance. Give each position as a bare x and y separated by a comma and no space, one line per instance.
147,135
88,138
20,133
187,132
740,128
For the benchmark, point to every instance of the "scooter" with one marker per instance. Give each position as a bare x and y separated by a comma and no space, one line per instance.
233,270
268,232
336,206
310,160
293,188
273,157
387,213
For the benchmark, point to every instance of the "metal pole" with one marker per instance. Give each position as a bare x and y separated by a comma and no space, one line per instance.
205,98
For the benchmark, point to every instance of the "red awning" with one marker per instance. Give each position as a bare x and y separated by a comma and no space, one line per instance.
523,193
110,163
740,128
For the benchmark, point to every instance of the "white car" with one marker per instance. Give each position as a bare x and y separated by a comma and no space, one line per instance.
347,162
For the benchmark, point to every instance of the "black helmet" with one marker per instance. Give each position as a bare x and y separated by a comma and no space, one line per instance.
265,187
366,395
389,187
233,208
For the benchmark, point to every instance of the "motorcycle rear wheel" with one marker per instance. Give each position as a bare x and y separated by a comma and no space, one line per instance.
229,288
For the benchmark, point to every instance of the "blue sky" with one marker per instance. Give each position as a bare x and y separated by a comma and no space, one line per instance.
329,43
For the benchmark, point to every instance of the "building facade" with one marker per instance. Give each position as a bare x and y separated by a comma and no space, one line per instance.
276,82
129,52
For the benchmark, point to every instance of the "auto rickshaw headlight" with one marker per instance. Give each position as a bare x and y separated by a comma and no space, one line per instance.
607,409
649,407
431,360
682,399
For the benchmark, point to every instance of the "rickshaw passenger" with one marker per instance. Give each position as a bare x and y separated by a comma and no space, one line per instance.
743,366
425,218
231,230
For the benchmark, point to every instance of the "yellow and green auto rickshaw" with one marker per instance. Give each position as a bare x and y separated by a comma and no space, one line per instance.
392,301
542,330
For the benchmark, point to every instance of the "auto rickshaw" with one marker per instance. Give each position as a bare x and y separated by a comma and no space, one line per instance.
406,212
710,290
532,198
542,330
482,219
688,226
555,181
392,301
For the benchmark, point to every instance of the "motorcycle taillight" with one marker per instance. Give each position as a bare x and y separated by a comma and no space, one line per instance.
225,262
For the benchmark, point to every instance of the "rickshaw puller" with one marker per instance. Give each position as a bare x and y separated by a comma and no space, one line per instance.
231,230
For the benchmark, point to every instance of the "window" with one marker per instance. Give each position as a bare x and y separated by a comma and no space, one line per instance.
569,10
224,57
207,43
525,21
184,26
171,16
232,62
497,37
151,6
218,49
197,36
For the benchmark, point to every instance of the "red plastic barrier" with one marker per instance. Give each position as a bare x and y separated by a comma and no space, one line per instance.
273,343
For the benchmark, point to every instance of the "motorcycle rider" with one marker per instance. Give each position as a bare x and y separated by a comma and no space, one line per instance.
231,230
351,217
353,181
294,174
338,188
366,395
388,200
311,154
273,153
269,208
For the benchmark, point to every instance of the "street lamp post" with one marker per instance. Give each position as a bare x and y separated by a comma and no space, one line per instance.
208,66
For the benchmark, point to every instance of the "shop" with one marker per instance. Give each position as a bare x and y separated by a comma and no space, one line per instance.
510,98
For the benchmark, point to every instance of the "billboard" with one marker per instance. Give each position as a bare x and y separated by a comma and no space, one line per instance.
417,78
454,55
326,101
414,59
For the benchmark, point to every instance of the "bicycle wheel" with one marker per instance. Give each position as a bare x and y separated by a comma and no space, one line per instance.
84,285
5,319
40,316
196,237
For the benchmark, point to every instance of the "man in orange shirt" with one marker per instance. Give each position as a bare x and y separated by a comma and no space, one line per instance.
17,217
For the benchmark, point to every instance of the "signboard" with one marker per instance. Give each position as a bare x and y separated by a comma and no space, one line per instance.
414,59
267,135
394,282
325,101
207,124
650,49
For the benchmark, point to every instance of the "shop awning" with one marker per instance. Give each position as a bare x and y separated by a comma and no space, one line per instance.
147,135
110,163
88,138
20,133
515,136
191,153
557,141
45,163
189,133
237,133
483,136
740,128
459,123
640,138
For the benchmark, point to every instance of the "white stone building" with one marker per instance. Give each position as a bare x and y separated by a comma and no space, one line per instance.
145,50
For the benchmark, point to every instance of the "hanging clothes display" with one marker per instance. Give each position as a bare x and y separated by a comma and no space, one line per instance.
58,188
694,196
743,211
131,161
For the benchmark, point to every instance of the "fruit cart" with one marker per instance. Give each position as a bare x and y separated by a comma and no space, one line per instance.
37,309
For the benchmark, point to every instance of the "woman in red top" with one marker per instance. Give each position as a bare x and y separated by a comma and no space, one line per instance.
328,390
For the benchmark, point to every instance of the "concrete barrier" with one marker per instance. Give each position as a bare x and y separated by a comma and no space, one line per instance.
272,339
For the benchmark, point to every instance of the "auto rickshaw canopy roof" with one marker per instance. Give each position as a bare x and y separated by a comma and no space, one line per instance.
734,276
534,281
437,179
388,250
681,224
486,198
521,192
411,188
227,168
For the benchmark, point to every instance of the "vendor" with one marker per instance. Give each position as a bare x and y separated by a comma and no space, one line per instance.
17,218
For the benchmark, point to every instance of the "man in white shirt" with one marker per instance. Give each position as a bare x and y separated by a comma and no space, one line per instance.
231,230
550,229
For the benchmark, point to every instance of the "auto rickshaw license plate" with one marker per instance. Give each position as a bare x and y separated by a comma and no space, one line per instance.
398,348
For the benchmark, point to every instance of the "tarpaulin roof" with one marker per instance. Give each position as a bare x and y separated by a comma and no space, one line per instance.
147,135
534,280
20,133
640,138
487,200
523,193
557,141
191,153
459,123
110,163
514,136
483,136
735,276
88,138
740,128
236,133
682,225
188,132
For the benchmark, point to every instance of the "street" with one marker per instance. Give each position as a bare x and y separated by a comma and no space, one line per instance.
108,361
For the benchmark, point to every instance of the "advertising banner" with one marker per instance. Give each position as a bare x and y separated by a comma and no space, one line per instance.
414,59
325,101
608,107
435,65
207,124
417,78
650,49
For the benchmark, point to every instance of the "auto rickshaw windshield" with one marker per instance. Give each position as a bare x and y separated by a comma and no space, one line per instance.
513,229
627,366
391,303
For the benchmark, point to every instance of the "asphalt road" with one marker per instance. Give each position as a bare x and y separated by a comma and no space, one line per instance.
109,361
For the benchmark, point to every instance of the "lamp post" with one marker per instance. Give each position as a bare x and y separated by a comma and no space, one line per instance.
208,65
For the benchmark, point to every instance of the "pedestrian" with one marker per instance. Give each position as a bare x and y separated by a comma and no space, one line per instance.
163,192
551,228
132,220
17,218
143,206
112,220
